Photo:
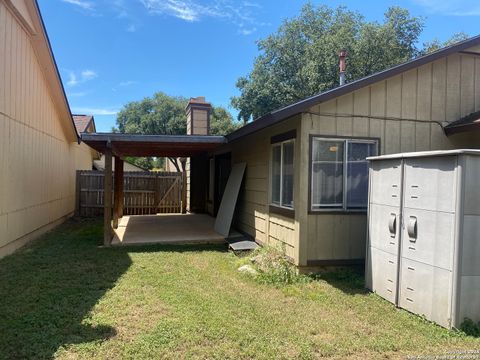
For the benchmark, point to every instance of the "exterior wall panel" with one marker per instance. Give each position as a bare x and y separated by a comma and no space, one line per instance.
252,213
37,160
405,112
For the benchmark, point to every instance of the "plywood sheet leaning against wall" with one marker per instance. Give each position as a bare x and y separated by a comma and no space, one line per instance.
224,218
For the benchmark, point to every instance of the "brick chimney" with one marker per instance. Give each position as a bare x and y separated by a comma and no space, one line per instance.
198,116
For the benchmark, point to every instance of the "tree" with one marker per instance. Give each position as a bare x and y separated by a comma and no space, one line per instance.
162,114
436,44
301,58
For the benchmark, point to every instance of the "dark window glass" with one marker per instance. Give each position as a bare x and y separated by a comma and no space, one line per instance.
287,174
327,173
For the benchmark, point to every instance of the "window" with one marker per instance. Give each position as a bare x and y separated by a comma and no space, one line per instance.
282,174
339,173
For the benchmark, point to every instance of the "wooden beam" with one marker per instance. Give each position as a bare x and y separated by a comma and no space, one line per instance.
120,190
107,198
152,139
116,190
184,185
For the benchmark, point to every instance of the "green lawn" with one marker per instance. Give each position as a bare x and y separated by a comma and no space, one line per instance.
67,298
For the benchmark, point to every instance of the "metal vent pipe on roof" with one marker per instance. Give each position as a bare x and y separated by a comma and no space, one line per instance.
342,56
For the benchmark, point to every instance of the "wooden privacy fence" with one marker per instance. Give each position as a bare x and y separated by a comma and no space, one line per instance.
144,193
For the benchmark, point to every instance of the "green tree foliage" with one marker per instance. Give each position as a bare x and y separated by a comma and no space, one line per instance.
301,58
162,114
436,44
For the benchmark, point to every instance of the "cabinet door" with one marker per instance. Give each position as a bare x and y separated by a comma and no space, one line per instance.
428,237
384,227
425,290
381,274
385,182
430,183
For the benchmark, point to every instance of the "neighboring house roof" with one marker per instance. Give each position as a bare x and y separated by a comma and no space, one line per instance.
281,114
100,165
28,13
82,122
467,123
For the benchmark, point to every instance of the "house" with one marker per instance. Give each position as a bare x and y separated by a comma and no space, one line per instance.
39,145
127,166
306,183
86,156
305,187
86,124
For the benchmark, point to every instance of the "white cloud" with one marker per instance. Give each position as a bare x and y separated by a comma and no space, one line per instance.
72,79
239,14
94,111
131,28
127,83
88,75
77,94
185,10
78,78
86,5
244,31
451,7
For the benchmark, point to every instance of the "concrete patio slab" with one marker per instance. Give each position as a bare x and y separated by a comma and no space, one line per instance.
167,229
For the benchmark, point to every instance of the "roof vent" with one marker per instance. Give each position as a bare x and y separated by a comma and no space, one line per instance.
342,56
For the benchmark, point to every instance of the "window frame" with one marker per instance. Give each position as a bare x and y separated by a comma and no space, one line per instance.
346,139
280,140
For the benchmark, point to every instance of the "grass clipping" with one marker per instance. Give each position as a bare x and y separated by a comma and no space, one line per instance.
269,265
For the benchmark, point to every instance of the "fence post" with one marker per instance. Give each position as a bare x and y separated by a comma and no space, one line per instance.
156,197
77,193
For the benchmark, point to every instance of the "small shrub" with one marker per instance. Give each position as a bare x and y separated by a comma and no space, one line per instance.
471,328
273,267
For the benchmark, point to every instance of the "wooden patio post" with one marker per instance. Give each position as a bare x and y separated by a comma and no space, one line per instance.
120,189
107,198
118,179
184,185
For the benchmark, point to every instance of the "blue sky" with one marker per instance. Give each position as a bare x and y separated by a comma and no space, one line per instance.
110,52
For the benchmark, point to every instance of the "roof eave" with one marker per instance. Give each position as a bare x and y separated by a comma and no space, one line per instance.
303,105
33,7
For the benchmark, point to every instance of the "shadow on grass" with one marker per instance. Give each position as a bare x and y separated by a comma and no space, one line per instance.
350,280
49,287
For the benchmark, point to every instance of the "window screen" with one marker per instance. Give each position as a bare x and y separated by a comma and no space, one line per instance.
327,173
276,173
357,173
282,174
339,173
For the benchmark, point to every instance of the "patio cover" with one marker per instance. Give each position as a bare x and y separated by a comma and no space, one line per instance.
152,145
122,145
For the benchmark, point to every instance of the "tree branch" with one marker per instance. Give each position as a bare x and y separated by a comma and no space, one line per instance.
175,163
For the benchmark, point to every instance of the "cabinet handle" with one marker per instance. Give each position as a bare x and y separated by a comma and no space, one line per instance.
412,228
392,224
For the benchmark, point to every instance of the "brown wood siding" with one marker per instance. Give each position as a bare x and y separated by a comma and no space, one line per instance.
37,162
441,91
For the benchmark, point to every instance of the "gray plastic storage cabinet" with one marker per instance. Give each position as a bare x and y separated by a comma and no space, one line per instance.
423,248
